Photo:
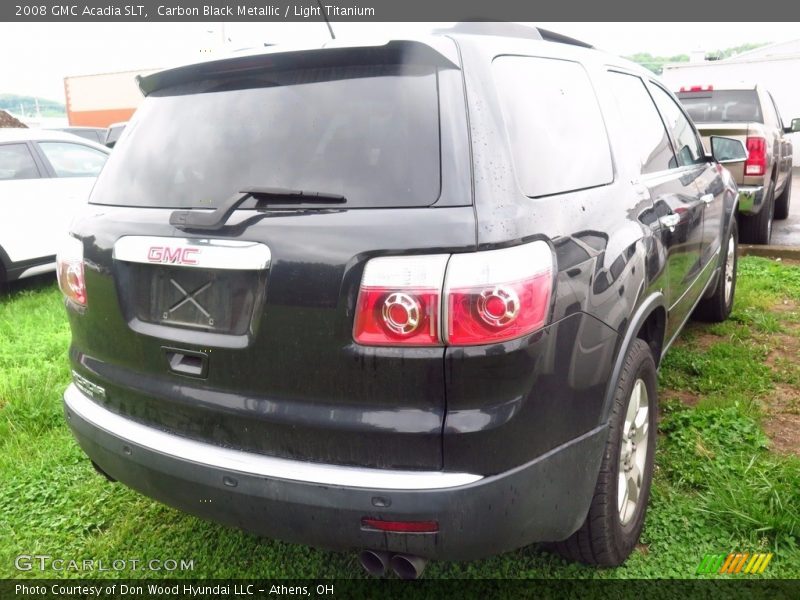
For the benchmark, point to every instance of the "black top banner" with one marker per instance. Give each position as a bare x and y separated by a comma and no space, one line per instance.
677,11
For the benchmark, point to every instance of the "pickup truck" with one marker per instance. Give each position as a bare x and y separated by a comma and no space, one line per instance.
749,114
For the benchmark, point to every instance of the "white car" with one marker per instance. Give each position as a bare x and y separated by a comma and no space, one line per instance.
45,176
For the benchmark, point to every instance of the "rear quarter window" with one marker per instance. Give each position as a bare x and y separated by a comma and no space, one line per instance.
642,126
554,125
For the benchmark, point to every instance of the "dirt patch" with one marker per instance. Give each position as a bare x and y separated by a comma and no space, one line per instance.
784,431
785,400
696,336
683,396
785,347
705,340
782,422
787,305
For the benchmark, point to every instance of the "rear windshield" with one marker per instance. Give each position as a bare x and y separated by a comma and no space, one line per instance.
368,133
722,106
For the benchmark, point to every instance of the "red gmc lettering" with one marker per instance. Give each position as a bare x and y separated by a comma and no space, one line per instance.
188,256
173,255
178,256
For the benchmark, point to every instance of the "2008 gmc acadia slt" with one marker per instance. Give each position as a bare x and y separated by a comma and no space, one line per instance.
406,297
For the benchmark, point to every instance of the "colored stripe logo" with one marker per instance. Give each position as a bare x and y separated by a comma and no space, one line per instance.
735,562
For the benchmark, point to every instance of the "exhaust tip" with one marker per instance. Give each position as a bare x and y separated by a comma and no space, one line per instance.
374,562
407,566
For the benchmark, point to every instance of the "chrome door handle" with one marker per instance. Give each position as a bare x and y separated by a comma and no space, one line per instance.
670,221
707,198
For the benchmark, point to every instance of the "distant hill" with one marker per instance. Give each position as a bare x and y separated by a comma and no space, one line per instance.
26,105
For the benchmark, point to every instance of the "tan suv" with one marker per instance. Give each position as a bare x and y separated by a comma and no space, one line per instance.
749,113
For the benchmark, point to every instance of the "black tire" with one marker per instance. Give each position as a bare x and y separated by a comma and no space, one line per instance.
717,307
757,228
783,201
603,539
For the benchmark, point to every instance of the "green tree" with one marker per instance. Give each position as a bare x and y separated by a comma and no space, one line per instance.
656,63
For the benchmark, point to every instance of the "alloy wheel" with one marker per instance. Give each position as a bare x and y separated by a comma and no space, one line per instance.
633,452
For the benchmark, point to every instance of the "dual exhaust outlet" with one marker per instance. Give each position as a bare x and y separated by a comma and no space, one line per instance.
405,566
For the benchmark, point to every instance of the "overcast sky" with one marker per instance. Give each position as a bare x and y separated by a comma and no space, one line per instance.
35,57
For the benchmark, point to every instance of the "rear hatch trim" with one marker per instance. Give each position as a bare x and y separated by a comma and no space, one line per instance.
199,253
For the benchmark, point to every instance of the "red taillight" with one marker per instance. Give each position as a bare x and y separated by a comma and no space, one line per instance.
399,301
498,295
488,297
401,526
69,271
387,316
481,315
756,163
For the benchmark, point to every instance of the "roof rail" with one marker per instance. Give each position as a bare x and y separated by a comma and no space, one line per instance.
506,29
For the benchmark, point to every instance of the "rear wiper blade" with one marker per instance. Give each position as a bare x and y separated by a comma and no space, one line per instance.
193,219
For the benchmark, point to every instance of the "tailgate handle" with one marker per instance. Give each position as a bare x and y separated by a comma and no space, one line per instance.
187,362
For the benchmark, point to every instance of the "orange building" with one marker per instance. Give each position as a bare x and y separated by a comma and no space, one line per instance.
102,99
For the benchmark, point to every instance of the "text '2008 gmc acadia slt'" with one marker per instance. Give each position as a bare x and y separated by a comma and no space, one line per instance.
407,297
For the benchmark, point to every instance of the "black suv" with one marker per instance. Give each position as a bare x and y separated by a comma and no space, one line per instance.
407,298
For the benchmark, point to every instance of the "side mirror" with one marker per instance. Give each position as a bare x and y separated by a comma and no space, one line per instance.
794,127
727,150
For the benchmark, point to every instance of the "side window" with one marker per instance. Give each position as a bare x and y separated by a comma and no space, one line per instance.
557,134
73,160
689,150
16,162
644,129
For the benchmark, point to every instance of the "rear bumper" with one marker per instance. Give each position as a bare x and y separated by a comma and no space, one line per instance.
751,199
323,505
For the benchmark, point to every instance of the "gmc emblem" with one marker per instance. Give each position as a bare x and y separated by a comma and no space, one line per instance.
175,256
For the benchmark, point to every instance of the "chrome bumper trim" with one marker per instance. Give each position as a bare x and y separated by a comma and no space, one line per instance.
257,464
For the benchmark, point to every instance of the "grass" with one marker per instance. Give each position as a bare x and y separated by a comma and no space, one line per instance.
718,487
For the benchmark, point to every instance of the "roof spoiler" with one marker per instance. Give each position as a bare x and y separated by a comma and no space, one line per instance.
394,52
552,36
499,28
506,29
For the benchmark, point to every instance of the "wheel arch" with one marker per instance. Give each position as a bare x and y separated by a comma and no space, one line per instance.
649,323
